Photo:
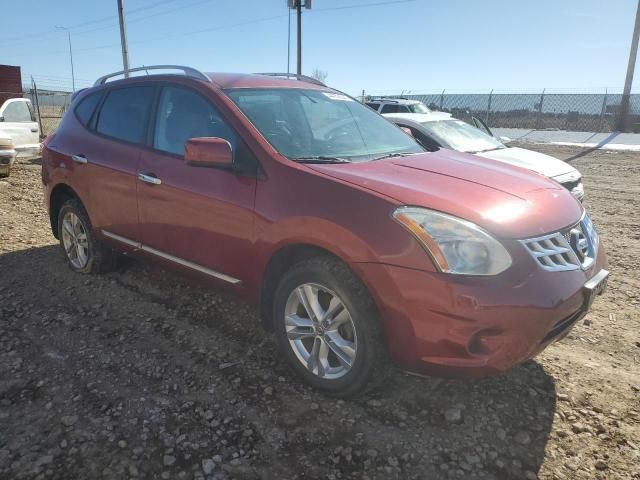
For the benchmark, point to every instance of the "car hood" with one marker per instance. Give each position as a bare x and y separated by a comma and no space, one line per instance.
508,201
538,162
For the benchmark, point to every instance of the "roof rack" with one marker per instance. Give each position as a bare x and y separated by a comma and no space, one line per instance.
188,71
302,78
382,99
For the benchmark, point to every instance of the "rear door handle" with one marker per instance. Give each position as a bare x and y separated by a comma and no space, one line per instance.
81,159
151,179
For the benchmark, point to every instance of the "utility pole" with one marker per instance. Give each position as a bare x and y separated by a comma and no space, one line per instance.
299,12
289,43
623,116
73,76
123,38
297,4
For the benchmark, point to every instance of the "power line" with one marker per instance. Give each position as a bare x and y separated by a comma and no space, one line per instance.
206,30
186,34
249,22
362,5
49,33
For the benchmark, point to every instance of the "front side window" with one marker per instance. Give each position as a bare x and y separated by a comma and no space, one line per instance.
17,112
461,136
124,113
183,114
315,124
375,106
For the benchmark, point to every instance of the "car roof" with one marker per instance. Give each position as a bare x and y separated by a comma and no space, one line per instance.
419,117
399,101
226,80
256,80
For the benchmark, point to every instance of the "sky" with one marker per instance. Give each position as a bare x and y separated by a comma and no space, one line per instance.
381,46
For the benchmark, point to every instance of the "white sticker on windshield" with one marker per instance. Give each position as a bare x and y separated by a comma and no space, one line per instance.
337,96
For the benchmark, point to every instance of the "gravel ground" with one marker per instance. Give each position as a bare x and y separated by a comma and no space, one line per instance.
142,374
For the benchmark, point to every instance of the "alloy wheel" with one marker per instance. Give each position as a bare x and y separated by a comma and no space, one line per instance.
75,241
321,331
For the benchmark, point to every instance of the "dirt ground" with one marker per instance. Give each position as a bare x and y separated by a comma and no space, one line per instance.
143,374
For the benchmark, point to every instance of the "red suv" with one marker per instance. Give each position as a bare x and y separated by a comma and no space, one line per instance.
358,245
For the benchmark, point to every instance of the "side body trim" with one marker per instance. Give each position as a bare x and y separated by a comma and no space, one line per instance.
172,258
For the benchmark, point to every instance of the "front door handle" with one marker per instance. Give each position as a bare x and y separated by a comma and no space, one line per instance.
81,159
34,130
151,179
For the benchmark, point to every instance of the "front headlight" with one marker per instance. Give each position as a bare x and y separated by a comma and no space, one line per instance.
456,246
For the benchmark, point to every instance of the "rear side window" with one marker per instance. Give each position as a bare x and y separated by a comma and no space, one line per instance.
124,113
375,106
87,106
17,112
390,108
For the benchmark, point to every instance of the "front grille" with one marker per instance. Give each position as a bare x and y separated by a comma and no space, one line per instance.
569,249
571,185
553,252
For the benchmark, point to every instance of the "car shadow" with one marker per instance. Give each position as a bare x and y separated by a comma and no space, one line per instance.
589,150
495,427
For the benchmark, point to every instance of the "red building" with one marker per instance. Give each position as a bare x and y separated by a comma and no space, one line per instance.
10,82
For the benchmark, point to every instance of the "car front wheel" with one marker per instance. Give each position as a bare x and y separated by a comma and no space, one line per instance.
328,327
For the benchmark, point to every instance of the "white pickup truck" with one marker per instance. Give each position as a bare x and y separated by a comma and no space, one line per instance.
19,132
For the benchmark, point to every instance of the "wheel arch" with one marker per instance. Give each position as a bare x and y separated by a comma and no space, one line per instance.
281,261
59,195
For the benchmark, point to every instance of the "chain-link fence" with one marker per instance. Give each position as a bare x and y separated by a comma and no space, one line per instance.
588,112
49,106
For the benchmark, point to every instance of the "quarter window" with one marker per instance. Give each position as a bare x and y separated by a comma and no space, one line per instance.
183,114
17,112
124,113
86,107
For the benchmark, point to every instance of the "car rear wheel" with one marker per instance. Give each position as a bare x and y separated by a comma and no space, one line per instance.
83,252
328,327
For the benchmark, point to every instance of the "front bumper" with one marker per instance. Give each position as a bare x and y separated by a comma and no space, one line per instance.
7,158
473,326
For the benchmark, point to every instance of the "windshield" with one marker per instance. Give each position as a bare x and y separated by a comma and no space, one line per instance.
323,125
461,136
418,108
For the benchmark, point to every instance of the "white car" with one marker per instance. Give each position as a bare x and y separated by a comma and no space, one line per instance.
440,130
397,105
18,124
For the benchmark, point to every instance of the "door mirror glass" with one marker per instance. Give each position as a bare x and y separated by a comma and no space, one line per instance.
208,152
407,130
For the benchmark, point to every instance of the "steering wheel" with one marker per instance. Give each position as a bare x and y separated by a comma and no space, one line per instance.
336,134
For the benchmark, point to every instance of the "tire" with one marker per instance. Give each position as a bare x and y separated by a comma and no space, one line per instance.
359,338
7,173
87,254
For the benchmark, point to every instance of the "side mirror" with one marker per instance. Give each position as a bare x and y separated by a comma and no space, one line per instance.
505,139
407,130
1,119
208,152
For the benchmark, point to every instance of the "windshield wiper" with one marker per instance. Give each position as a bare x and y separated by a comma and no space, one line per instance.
321,159
390,155
488,150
